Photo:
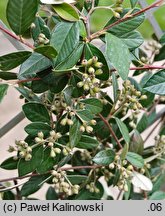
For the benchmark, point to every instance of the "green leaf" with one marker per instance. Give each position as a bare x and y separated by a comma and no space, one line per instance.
104,157
90,51
158,183
36,112
67,12
136,143
33,65
133,3
68,94
123,129
25,167
8,75
72,59
20,14
47,51
8,195
84,115
40,27
3,91
33,185
115,87
135,159
51,194
142,124
28,94
128,25
156,84
124,151
87,142
162,39
158,195
9,164
13,60
118,55
93,105
77,179
132,39
65,39
47,162
33,128
161,55
75,133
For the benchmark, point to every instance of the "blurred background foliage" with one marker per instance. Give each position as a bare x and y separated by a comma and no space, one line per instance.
100,17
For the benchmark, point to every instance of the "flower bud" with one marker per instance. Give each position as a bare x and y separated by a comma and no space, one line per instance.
89,129
91,70
28,157
143,97
98,72
84,62
86,87
22,154
96,89
98,65
38,140
82,128
52,153
111,166
95,59
57,150
28,149
90,62
69,122
40,135
63,122
80,84
125,187
93,122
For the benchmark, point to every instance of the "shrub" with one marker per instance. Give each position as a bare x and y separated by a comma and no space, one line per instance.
86,111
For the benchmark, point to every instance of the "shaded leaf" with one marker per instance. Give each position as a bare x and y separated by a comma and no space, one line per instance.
33,128
123,129
135,159
87,142
75,133
94,105
104,157
136,143
47,51
51,194
3,91
9,164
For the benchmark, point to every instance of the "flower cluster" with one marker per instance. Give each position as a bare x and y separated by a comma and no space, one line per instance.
58,103
61,186
90,83
23,149
92,187
159,145
130,98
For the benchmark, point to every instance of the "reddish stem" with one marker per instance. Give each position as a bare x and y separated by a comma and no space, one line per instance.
123,19
111,130
16,37
28,80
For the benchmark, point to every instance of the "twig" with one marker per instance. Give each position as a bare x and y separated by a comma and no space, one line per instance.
18,193
119,194
16,37
125,18
49,172
111,131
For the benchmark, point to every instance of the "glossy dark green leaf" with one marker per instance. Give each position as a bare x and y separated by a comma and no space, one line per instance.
33,128
135,159
51,194
28,94
65,39
36,112
77,179
136,143
161,55
142,124
133,3
84,115
162,39
128,25
158,195
13,60
8,195
75,133
25,167
90,51
67,12
40,27
47,51
68,94
87,142
8,75
104,157
156,84
118,55
123,129
132,39
20,14
94,105
85,194
33,185
33,65
72,59
9,164
47,162
3,91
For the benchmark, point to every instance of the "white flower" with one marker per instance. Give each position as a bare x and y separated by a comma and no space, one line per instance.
57,1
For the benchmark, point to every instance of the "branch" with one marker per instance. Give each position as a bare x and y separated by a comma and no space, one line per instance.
49,172
125,18
16,37
111,131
